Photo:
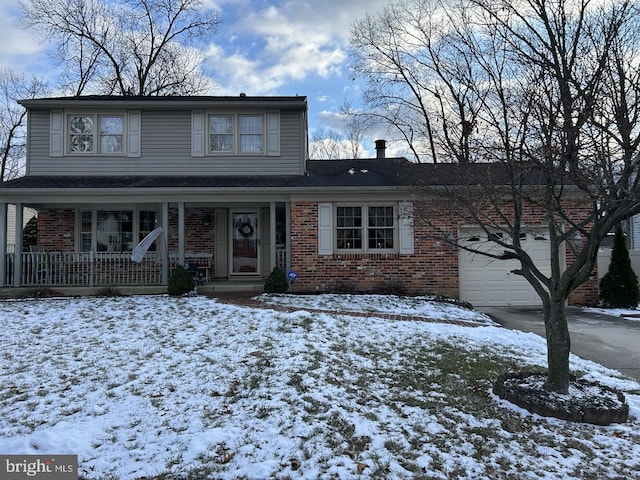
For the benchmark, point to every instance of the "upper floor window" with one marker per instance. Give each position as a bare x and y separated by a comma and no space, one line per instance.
229,133
96,134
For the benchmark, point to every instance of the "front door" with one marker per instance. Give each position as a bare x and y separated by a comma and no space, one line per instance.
245,243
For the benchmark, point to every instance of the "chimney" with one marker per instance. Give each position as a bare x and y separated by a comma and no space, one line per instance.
381,146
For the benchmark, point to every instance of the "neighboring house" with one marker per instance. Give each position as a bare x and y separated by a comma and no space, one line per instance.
229,182
28,213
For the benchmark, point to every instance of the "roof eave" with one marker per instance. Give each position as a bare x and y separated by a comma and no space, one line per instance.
181,103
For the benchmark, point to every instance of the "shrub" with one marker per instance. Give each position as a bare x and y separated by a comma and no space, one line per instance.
619,286
276,282
391,288
181,281
108,292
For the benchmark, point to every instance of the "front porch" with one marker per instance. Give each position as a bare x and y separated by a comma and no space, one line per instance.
91,246
42,269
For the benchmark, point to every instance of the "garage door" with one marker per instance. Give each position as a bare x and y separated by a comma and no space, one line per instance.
488,282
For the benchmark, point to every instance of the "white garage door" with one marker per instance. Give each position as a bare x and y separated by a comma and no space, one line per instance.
488,282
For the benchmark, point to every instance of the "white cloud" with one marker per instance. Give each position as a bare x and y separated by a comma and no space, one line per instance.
283,42
19,48
331,119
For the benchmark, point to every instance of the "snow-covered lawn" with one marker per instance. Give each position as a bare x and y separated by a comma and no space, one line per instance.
150,385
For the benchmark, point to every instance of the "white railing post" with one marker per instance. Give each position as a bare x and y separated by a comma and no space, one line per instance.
3,244
92,267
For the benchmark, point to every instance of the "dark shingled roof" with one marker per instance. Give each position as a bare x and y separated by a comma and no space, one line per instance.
388,172
176,101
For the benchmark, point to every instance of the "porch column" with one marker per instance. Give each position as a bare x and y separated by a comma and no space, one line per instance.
287,213
181,233
3,243
165,242
17,256
272,234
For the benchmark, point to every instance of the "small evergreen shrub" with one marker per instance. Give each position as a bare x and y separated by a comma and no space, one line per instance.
619,286
181,281
276,282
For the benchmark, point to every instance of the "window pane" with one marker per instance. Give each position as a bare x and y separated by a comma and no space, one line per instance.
250,133
349,239
81,134
148,222
111,125
221,124
80,125
221,133
85,231
349,217
251,124
111,134
251,143
379,237
114,231
381,216
349,228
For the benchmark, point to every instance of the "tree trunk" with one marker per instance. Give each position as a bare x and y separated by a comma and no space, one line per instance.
558,345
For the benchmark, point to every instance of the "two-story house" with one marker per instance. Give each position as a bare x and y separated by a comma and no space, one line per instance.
227,185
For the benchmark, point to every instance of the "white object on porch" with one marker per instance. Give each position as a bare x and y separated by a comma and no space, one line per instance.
138,253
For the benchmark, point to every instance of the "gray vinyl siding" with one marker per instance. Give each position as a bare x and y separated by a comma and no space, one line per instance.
166,150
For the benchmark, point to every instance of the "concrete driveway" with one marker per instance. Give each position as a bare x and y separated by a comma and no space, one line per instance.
611,341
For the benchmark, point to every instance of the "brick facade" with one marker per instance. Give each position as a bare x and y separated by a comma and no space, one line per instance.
431,269
57,230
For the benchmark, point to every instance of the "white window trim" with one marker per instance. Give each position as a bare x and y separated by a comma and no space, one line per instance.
365,228
96,134
235,151
403,229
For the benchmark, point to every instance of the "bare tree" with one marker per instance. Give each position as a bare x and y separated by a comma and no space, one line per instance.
331,144
355,127
326,144
538,102
138,47
391,53
13,87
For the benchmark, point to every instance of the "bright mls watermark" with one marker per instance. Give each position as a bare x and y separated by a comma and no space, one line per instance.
47,467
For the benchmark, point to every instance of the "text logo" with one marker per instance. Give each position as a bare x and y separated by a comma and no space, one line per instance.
45,467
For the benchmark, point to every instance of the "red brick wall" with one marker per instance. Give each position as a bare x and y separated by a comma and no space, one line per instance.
199,230
432,269
56,229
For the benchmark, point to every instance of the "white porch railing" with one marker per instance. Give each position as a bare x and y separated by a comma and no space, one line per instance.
104,268
84,269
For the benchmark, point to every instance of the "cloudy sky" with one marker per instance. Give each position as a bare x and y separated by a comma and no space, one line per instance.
273,47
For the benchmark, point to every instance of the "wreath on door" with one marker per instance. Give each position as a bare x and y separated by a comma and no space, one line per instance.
245,229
